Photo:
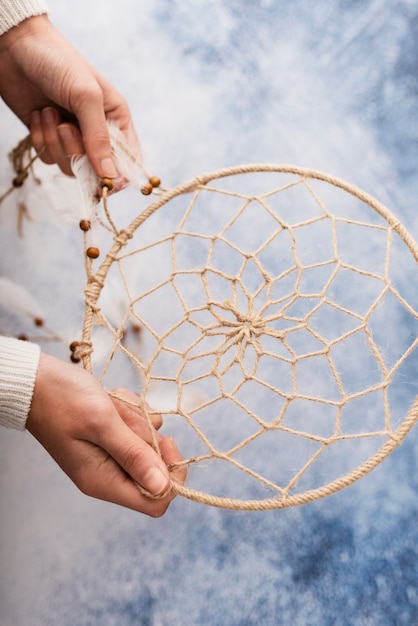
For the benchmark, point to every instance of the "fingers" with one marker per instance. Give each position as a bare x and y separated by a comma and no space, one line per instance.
89,108
98,151
37,138
120,459
105,465
100,476
56,142
88,438
127,405
135,456
34,76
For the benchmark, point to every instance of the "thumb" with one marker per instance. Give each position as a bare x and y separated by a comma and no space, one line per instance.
139,460
96,138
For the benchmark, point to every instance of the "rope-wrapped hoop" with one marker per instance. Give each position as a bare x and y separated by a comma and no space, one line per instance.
271,291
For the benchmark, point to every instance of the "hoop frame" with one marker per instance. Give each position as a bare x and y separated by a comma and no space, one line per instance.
96,281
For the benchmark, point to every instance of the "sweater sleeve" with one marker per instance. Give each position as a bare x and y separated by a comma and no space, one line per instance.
12,12
18,367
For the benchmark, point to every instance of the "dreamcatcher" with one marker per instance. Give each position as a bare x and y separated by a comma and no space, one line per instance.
267,313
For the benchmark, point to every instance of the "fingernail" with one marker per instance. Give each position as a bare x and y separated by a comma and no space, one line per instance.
169,441
155,481
35,118
48,115
65,133
108,168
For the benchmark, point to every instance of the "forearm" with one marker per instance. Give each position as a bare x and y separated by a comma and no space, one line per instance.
18,367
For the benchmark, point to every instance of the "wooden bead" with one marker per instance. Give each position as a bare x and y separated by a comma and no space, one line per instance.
85,225
38,321
75,359
147,189
18,181
74,345
107,182
92,252
155,181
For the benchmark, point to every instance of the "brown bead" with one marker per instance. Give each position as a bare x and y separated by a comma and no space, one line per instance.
19,180
93,253
85,225
23,337
38,321
136,328
74,345
147,189
107,182
155,181
75,359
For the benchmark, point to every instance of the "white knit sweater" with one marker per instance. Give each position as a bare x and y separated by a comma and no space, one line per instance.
12,12
18,366
18,359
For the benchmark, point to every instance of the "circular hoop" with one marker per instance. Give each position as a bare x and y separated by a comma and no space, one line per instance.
97,280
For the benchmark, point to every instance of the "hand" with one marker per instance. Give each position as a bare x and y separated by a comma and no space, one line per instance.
64,100
99,442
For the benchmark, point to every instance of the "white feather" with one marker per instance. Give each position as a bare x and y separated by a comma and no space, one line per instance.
88,183
17,299
129,165
63,194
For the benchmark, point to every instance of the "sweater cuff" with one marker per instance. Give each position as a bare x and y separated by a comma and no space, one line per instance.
12,12
18,367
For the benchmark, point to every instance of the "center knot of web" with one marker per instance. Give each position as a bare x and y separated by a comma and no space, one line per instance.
249,324
241,328
241,325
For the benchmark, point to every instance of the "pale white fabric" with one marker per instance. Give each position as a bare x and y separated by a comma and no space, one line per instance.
12,12
18,366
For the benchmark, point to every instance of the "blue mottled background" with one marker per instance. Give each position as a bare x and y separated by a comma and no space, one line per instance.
328,85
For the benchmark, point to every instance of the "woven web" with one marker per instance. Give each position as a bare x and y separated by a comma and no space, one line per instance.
265,315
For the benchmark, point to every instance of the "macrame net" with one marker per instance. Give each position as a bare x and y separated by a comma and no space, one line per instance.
268,313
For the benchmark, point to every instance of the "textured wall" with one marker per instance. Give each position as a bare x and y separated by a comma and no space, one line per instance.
326,85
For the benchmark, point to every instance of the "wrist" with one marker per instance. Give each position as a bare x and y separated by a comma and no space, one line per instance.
48,369
24,28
